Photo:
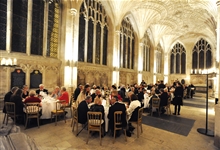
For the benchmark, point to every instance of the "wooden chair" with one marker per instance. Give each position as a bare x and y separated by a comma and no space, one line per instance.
10,111
168,109
139,121
32,111
70,106
156,104
118,124
95,122
60,110
75,120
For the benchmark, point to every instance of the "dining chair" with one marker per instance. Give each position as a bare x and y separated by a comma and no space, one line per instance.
167,107
74,120
70,106
139,120
32,111
95,122
118,124
156,105
11,112
60,110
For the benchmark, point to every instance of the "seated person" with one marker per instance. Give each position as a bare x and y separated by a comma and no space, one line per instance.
83,109
97,106
41,89
32,98
163,99
116,106
8,95
17,99
95,94
115,93
132,112
25,91
56,93
153,95
64,95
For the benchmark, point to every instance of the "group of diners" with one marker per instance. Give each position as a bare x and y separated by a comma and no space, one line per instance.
22,96
134,96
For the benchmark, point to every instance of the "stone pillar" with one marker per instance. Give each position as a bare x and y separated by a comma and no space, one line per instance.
140,62
217,126
46,9
73,63
115,75
86,40
101,46
9,25
29,27
166,71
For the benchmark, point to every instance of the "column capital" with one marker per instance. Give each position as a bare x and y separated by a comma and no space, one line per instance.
118,32
73,11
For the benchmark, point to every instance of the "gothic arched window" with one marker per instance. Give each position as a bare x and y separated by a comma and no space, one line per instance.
202,55
146,53
127,45
37,28
19,26
93,33
178,59
53,29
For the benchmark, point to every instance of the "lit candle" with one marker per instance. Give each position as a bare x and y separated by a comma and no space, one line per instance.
195,71
9,61
15,61
191,71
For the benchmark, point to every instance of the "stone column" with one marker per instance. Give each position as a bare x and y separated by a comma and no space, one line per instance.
9,25
94,42
46,9
86,40
29,27
140,62
73,63
218,49
166,71
115,75
101,45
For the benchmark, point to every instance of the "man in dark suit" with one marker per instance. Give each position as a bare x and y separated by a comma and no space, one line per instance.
41,89
83,109
116,107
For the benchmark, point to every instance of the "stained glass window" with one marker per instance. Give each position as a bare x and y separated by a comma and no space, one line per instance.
53,29
178,59
93,33
146,53
202,55
19,26
127,45
37,27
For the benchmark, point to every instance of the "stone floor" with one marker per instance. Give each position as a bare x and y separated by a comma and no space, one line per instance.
60,137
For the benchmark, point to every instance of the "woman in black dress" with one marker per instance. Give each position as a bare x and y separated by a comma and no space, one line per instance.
17,99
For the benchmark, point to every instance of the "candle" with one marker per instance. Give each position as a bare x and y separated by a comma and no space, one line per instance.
15,61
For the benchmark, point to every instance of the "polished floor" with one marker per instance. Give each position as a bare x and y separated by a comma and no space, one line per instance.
60,137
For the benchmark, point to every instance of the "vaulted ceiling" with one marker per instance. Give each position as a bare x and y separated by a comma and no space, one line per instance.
167,20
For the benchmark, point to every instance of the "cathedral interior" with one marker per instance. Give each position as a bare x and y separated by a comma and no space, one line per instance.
71,42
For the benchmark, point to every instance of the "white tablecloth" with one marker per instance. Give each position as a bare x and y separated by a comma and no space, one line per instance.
48,105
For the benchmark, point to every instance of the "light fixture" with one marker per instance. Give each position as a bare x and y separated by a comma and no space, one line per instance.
8,62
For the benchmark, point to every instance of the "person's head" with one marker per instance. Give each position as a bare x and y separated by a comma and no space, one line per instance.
114,93
130,93
88,99
98,93
57,88
114,99
97,101
63,89
18,92
165,90
87,88
13,89
41,86
32,93
134,97
25,88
